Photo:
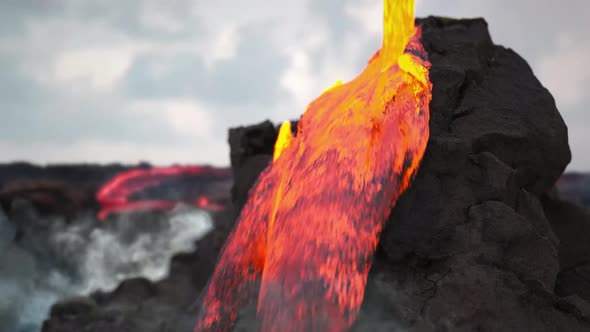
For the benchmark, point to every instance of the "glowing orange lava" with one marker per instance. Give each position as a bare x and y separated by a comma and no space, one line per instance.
304,242
115,195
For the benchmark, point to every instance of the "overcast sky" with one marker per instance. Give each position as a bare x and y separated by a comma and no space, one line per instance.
161,81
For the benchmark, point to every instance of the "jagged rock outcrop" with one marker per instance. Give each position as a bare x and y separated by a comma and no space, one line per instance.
469,246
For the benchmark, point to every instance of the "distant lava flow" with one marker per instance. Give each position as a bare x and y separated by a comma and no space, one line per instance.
116,196
312,222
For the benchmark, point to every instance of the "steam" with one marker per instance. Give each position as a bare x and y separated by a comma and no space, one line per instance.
43,260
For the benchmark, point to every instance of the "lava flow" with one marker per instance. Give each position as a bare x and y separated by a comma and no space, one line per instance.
304,242
116,195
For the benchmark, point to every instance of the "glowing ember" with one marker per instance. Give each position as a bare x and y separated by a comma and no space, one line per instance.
312,222
115,196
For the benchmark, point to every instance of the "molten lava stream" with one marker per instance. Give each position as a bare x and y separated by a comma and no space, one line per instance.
312,222
115,195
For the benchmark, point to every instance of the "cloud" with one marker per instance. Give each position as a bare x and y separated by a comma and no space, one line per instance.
185,116
566,71
364,13
76,72
100,67
87,150
225,47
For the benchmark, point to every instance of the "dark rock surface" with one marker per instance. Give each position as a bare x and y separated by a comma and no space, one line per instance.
66,190
62,190
469,246
474,244
50,197
572,226
82,175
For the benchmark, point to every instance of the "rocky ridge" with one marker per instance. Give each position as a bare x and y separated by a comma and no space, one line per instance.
470,246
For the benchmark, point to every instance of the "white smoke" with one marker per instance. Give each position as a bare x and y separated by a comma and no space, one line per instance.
50,259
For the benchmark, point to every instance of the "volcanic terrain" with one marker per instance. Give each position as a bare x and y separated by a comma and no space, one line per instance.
480,242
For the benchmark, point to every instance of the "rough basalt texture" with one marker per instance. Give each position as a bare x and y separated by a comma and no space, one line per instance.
469,246
571,224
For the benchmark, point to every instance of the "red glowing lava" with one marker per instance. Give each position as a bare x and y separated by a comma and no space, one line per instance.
116,195
312,222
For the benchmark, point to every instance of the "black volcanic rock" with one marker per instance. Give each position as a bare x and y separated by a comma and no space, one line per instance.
55,190
572,226
251,140
73,307
469,246
50,197
65,190
83,175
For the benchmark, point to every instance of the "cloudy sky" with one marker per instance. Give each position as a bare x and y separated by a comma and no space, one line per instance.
161,81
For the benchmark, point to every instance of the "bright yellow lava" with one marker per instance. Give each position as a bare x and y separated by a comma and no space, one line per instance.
304,242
